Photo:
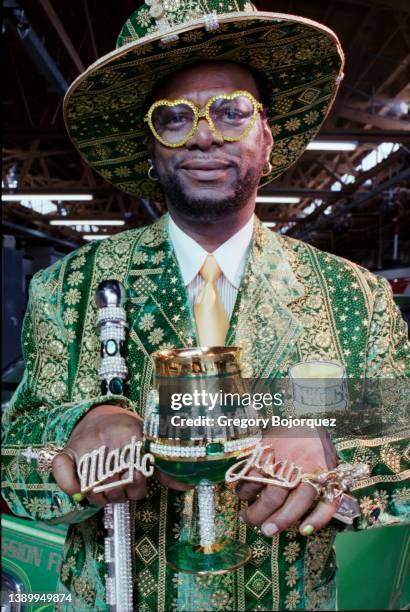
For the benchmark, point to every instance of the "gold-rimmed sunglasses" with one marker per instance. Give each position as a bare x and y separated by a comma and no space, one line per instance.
230,116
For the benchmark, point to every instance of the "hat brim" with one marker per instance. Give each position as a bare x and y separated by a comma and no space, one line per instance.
301,60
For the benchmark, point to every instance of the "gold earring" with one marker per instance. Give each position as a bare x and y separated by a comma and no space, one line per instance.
267,169
151,172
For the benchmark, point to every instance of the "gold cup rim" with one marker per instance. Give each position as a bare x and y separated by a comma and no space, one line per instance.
186,354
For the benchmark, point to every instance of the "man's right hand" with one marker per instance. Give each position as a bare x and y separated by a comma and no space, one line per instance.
108,426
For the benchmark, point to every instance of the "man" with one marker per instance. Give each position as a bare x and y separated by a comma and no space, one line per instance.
281,300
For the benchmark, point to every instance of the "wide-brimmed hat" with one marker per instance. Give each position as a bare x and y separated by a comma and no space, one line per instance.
301,63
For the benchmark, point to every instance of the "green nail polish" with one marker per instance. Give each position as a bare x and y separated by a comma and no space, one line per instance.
308,530
78,497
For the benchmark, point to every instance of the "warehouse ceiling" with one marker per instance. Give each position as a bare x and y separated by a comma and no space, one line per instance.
352,202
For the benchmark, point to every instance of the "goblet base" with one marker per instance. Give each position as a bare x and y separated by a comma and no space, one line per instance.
220,558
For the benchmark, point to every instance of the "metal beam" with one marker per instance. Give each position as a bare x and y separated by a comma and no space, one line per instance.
323,194
149,208
403,67
38,234
334,175
379,121
348,190
276,219
90,29
364,136
380,101
37,52
28,161
22,155
58,26
401,5
323,221
386,42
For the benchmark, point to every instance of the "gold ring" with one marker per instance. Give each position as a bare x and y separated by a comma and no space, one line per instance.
317,487
70,453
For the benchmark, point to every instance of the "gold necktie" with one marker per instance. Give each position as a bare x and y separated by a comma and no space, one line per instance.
210,316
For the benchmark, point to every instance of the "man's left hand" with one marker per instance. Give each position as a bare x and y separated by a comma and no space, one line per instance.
276,508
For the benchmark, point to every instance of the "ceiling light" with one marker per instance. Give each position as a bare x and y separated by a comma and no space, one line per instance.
72,222
323,145
269,223
277,199
381,152
15,197
95,236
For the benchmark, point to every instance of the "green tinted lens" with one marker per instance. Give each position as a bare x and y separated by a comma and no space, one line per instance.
232,117
173,123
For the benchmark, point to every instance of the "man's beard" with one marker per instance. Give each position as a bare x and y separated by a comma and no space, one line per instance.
206,208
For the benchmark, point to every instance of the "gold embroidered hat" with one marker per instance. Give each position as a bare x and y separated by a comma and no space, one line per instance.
301,62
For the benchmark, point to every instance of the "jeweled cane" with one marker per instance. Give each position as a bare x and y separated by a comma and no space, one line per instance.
112,324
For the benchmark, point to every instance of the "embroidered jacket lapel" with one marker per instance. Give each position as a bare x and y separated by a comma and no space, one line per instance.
262,323
159,312
163,316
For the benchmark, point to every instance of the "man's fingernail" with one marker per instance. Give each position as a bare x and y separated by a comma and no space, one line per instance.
307,530
269,529
78,497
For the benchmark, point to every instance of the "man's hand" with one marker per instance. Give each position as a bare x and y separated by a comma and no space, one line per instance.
275,508
108,426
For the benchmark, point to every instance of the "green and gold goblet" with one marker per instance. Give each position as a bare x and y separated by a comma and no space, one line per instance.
191,428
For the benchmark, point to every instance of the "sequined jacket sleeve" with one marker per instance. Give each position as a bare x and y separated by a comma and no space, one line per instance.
42,410
385,495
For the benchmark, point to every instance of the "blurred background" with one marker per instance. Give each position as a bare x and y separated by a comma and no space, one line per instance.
348,194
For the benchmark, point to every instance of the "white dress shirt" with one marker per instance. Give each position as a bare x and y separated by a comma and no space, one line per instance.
231,257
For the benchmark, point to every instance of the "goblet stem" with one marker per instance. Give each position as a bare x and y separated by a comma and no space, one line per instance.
206,510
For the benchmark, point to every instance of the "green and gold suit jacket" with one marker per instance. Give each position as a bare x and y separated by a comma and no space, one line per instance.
295,303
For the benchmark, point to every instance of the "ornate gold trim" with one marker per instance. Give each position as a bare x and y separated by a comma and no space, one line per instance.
327,302
14,449
21,486
134,336
241,571
360,442
145,272
377,479
161,549
275,572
